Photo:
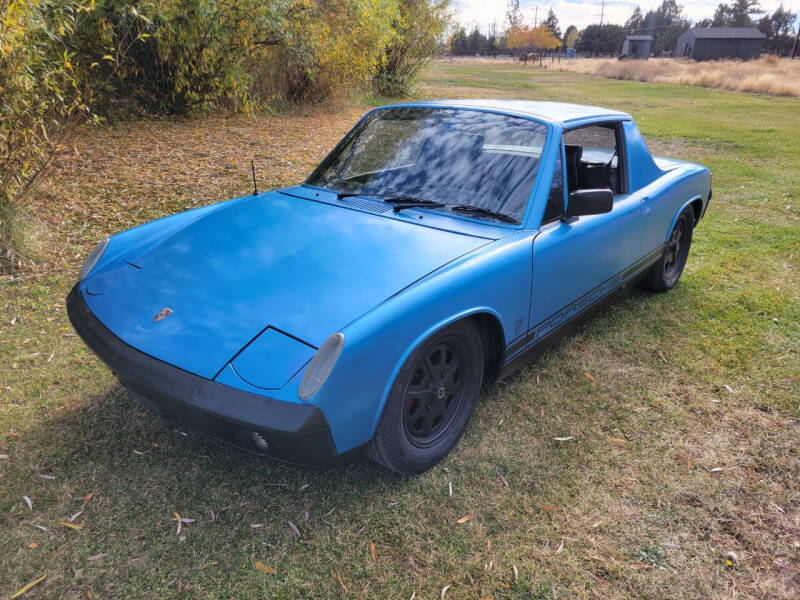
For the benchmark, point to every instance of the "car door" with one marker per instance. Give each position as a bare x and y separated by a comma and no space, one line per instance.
577,261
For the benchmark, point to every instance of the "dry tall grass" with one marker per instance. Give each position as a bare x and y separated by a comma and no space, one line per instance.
780,77
769,75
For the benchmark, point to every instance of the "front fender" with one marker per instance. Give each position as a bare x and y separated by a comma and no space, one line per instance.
494,280
123,243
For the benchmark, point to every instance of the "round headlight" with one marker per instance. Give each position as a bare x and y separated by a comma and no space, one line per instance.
92,259
321,366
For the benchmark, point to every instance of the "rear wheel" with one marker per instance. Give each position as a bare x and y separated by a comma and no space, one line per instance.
666,272
430,401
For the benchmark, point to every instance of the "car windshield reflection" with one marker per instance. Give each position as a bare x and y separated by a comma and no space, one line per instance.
447,156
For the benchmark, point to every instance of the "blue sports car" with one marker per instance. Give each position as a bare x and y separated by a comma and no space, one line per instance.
435,249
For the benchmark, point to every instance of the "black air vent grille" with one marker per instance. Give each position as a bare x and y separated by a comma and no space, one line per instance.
372,206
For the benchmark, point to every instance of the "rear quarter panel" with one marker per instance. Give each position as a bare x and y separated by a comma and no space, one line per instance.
668,195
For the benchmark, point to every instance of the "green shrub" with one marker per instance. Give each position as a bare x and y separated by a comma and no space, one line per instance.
41,101
197,55
326,45
190,56
415,34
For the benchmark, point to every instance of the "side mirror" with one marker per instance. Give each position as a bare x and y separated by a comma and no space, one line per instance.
590,202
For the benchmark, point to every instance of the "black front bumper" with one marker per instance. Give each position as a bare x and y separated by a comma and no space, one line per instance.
296,433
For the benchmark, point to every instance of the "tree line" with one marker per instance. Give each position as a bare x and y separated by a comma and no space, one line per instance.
664,23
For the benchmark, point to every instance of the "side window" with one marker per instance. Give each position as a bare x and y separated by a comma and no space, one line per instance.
555,200
593,158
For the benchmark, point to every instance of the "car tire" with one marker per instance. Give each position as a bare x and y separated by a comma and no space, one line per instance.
666,271
430,401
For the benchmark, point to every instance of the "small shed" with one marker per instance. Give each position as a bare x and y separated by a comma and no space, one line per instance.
709,43
637,46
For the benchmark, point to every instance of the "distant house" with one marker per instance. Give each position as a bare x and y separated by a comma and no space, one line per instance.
637,46
708,43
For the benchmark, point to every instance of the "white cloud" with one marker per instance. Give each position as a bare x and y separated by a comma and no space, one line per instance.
585,12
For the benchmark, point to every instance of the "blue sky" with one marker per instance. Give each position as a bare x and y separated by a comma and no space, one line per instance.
584,12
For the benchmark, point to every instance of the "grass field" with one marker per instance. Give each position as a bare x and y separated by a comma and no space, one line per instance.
681,480
768,75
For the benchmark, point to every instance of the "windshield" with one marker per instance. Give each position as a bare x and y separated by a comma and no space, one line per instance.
451,156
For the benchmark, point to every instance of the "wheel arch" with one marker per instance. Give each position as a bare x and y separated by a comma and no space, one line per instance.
488,323
696,204
492,342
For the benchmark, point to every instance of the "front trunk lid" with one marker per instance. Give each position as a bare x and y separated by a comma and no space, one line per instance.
196,297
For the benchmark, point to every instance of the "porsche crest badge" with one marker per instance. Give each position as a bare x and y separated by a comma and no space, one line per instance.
162,314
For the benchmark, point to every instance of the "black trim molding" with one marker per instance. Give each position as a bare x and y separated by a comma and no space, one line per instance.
549,330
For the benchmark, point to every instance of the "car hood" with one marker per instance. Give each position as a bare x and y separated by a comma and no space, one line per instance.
299,266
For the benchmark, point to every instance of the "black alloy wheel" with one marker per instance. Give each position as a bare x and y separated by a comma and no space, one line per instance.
435,392
430,401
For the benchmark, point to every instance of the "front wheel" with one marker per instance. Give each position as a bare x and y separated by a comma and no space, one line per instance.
664,274
431,401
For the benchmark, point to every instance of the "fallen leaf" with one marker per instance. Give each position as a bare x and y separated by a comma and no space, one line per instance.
265,568
564,439
256,525
47,476
451,489
344,587
294,529
373,552
516,573
590,378
547,507
98,556
715,470
70,525
444,591
304,487
87,498
503,479
466,518
596,524
560,548
28,502
24,589
618,441
33,545
210,563
75,516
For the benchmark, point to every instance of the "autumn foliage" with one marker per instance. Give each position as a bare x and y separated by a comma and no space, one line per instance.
523,37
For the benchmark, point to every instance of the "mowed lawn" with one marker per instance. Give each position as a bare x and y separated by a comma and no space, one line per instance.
680,477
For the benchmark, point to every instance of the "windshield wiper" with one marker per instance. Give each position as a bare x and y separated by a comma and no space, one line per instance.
407,201
484,212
